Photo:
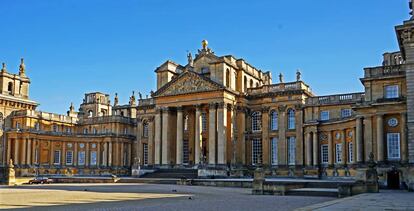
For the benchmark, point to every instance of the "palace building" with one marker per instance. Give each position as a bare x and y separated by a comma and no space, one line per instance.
224,117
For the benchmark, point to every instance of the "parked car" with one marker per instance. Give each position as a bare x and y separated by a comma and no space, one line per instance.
40,180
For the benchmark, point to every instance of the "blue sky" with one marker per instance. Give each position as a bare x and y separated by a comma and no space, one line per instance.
75,47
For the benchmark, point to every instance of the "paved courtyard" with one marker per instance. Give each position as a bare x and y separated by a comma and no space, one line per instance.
144,197
385,200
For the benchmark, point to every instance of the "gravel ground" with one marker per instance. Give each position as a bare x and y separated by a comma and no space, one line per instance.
144,197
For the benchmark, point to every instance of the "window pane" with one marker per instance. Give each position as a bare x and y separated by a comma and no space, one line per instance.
338,153
324,153
393,146
274,151
93,158
291,150
69,157
256,151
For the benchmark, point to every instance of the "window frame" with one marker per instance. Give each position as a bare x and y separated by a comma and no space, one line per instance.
274,118
274,151
67,157
324,154
350,152
324,115
256,121
291,119
57,159
346,111
291,150
398,150
338,153
257,152
392,91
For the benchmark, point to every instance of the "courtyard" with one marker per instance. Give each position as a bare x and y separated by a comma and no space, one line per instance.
144,197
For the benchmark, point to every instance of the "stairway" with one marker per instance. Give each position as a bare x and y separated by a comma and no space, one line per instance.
316,188
172,173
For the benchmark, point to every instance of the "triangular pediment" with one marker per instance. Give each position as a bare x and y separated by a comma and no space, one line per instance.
186,83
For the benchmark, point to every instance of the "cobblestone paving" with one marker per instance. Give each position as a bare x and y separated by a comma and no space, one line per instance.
144,197
385,200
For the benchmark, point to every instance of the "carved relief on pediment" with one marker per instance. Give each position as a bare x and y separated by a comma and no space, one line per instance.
188,84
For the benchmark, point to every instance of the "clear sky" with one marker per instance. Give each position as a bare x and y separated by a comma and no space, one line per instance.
74,47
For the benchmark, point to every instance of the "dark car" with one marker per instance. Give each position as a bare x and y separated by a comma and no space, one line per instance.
40,180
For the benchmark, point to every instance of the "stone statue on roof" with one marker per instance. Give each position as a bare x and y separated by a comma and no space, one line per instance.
281,78
411,5
190,59
298,75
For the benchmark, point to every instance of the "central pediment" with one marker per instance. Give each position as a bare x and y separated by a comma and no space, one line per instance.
186,83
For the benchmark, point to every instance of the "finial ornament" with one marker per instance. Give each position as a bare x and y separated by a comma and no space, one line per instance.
116,99
204,43
22,67
71,108
298,75
190,59
3,69
132,99
281,78
411,5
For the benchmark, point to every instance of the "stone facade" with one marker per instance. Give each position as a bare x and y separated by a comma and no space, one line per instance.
225,117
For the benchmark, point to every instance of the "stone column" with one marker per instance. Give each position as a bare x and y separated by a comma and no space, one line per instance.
75,154
359,140
98,154
330,149
180,131
343,141
9,143
315,149
165,157
29,152
24,151
140,134
368,137
157,138
265,136
380,138
51,153
282,148
122,154
233,132
197,140
63,152
404,144
150,143
212,135
105,155
241,128
16,151
308,146
87,154
110,154
222,134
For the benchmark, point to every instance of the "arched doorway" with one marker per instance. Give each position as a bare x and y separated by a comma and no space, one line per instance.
393,179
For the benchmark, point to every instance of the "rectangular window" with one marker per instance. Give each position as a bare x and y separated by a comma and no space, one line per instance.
324,153
324,115
346,112
291,150
350,152
69,157
256,151
203,122
393,146
81,158
56,158
145,149
274,150
186,152
391,91
93,158
338,154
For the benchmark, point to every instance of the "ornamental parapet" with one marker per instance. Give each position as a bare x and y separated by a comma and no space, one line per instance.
335,99
146,102
280,87
383,71
107,119
45,116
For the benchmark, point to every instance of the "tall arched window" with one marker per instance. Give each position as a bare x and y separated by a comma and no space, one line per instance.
256,121
228,78
257,84
251,83
145,129
10,87
245,83
291,119
273,120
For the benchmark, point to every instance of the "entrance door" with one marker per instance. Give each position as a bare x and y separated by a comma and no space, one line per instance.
393,179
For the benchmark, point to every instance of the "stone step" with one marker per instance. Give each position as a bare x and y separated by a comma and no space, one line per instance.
173,173
331,192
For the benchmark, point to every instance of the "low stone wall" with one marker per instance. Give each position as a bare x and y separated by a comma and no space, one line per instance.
84,179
